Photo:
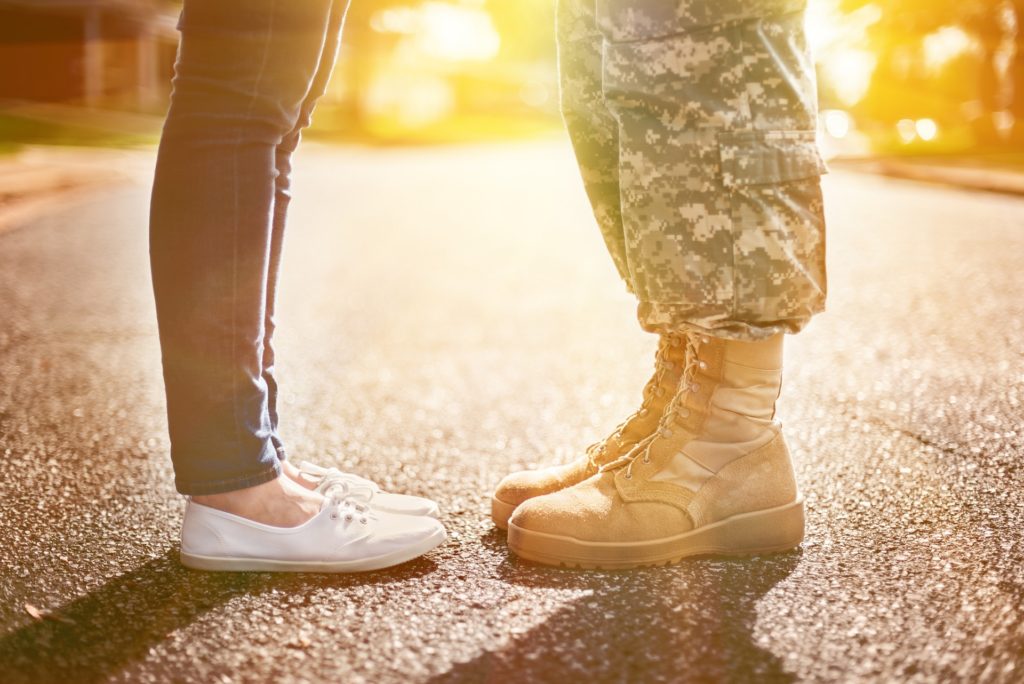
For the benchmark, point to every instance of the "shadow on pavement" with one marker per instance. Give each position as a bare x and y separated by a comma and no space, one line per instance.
692,622
100,633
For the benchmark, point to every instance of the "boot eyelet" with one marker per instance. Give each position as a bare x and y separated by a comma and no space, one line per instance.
703,365
647,460
629,476
695,387
684,413
334,516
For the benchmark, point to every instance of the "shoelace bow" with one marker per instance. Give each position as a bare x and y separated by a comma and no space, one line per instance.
349,494
652,389
345,485
675,409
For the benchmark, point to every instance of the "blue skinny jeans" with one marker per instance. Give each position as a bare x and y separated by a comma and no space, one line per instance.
247,77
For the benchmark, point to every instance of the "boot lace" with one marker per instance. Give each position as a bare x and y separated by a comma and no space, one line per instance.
653,389
675,410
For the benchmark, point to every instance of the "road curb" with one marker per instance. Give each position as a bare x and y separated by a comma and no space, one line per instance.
39,181
964,177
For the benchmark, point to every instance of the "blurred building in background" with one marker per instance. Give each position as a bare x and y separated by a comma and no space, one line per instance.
437,70
914,76
109,53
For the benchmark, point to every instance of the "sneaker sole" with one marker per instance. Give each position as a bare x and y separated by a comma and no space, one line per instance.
768,531
501,512
229,564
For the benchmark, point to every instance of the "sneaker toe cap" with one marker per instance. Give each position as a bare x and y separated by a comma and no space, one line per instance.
406,504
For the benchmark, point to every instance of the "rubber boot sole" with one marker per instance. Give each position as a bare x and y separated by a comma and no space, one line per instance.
766,531
230,564
501,512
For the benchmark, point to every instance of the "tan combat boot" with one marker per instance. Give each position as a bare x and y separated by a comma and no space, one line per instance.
715,478
659,390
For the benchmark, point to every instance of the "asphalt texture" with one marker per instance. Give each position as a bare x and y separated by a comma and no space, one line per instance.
449,315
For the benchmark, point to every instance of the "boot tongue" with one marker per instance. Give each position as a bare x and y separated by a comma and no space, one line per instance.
636,429
669,411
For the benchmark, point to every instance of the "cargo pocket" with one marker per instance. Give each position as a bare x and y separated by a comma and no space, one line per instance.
771,180
751,158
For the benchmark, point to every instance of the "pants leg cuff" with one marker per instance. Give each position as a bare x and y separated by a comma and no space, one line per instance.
669,318
269,473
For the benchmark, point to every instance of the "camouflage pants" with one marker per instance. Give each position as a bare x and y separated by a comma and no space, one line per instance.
693,122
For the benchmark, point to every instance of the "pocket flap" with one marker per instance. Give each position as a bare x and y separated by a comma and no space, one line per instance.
764,157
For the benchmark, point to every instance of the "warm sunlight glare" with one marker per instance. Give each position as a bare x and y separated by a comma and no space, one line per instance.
837,39
849,73
836,123
907,130
823,24
442,31
945,45
926,129
458,33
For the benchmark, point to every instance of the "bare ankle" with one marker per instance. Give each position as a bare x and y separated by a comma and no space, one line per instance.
292,472
280,502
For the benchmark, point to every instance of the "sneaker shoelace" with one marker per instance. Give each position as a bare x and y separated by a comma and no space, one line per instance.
652,389
676,408
330,479
346,508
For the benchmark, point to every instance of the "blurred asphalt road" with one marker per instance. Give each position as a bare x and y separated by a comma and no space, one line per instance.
448,315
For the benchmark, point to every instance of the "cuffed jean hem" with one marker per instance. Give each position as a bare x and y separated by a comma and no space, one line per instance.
221,486
282,453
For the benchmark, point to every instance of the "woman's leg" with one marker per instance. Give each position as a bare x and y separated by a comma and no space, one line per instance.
243,72
282,200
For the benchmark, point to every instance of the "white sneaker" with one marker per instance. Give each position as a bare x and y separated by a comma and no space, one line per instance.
363,490
345,536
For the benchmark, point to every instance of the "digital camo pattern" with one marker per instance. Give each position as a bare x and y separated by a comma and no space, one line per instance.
592,128
707,116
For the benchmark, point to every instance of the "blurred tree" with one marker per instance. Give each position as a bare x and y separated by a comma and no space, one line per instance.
981,84
361,48
527,27
1016,75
